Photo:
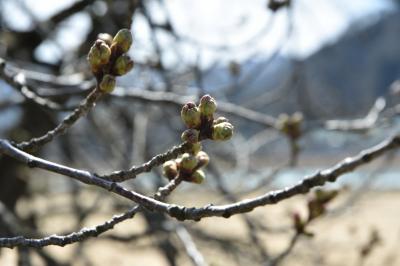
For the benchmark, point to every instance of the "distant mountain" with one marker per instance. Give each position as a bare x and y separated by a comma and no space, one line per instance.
346,77
341,79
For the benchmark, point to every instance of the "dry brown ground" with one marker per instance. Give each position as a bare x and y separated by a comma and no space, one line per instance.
337,242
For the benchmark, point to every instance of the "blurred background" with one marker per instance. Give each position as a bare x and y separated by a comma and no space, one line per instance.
334,65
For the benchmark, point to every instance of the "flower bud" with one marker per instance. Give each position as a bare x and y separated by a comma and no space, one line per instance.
315,209
107,84
282,123
202,159
170,169
220,119
99,55
194,148
188,162
190,115
207,105
222,131
107,38
122,40
297,118
325,196
190,136
197,177
122,65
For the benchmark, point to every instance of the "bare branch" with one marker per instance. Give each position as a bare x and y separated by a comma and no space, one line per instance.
18,82
157,160
179,100
83,234
184,213
65,124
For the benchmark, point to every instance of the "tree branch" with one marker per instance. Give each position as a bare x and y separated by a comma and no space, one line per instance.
83,234
80,111
184,213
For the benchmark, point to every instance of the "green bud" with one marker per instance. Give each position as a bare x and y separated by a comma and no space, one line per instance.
325,196
315,209
99,55
207,105
190,115
202,158
282,122
122,65
220,119
122,40
188,162
190,136
194,148
197,177
107,38
170,169
222,131
107,84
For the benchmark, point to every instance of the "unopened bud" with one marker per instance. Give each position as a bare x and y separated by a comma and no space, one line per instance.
188,162
122,65
190,115
190,135
207,105
107,38
282,122
122,40
315,209
194,148
99,55
197,177
325,196
222,131
202,158
170,169
297,118
220,119
107,84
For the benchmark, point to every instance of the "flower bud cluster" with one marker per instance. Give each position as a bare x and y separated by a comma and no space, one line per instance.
107,58
201,125
187,167
201,118
290,125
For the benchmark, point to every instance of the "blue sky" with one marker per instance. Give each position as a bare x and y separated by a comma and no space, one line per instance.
213,23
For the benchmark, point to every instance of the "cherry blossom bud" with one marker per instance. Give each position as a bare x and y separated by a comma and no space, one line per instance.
202,158
207,106
122,65
190,115
170,169
220,119
222,131
107,84
188,162
190,136
197,177
99,55
122,40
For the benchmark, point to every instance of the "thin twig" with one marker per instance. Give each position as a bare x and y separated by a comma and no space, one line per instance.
123,175
179,100
18,82
184,213
55,240
80,111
